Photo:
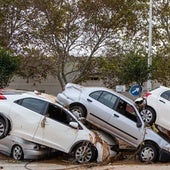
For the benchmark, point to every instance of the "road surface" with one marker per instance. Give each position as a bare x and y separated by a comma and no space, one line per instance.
64,163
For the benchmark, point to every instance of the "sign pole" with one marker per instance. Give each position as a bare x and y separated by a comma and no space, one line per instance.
149,83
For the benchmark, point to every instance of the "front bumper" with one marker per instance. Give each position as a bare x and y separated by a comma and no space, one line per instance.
36,154
164,156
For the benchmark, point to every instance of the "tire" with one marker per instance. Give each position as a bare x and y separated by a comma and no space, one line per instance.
148,115
85,152
17,153
4,128
78,111
148,153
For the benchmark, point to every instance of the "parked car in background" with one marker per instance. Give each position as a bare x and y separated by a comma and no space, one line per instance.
36,117
106,109
157,107
20,149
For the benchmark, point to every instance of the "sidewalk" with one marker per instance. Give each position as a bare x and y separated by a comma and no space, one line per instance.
53,166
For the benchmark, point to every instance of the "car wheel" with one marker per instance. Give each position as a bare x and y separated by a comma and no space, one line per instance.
148,115
148,153
85,152
78,111
3,130
17,152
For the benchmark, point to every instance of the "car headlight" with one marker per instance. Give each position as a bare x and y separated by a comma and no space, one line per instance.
167,148
37,147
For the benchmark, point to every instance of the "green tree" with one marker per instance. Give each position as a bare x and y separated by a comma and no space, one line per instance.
36,66
13,23
161,69
134,68
68,29
110,69
8,66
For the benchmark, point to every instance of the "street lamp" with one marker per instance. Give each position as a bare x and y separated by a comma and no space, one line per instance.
149,83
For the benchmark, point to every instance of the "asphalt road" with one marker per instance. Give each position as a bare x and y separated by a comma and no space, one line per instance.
64,163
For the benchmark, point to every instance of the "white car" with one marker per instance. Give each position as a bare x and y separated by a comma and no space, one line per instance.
106,109
38,118
157,107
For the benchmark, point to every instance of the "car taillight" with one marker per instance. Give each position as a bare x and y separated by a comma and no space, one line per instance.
147,94
2,97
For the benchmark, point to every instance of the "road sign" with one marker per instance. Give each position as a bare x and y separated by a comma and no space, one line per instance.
135,90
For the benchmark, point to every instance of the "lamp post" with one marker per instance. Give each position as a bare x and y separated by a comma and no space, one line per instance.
149,83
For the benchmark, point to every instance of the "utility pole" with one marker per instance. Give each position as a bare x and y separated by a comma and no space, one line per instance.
149,83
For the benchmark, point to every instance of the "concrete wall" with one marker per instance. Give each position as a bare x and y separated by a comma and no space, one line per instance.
50,85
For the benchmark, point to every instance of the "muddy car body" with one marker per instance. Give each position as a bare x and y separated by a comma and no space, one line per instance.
38,118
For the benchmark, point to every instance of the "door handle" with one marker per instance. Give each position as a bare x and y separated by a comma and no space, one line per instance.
115,115
162,101
89,100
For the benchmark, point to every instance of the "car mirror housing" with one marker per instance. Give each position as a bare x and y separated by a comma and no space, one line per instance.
74,125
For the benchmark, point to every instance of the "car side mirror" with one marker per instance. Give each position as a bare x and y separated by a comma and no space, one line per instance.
139,124
74,125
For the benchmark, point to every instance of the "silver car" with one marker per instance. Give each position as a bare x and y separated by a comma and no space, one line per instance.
156,145
20,149
106,109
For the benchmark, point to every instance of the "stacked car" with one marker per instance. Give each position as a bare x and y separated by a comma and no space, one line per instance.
37,118
85,122
118,116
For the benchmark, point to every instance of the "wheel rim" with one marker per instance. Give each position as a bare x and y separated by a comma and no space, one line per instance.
77,112
146,115
147,154
2,128
83,154
17,153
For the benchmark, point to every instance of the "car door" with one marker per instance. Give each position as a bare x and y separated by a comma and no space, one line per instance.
126,124
163,115
101,106
25,115
54,129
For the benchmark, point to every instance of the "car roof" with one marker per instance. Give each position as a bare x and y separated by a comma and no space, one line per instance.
90,89
114,92
159,89
18,94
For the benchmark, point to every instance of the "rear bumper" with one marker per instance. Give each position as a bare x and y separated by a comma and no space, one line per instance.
33,154
63,100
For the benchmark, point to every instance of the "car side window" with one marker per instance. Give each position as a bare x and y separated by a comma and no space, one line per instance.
105,98
56,113
127,110
96,94
33,104
166,95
